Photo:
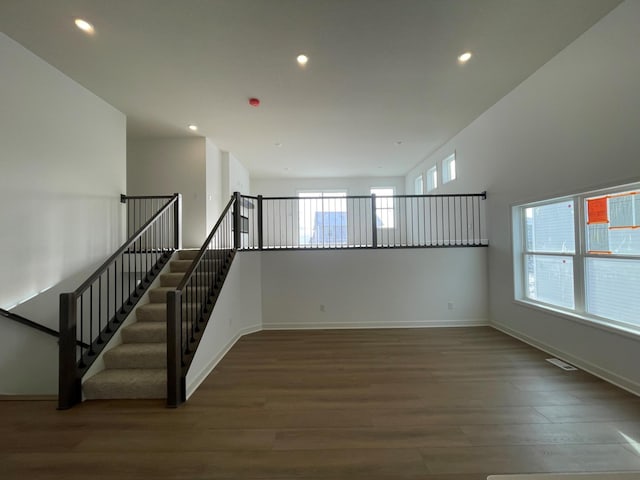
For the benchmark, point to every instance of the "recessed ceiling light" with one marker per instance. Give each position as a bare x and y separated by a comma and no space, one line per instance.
84,25
465,57
277,144
302,59
398,142
193,128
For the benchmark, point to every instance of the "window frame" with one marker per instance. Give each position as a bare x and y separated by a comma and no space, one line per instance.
580,256
449,174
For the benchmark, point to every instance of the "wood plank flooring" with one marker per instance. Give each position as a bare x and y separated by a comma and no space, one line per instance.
450,404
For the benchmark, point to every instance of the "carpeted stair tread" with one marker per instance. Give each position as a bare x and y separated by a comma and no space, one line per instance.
188,254
171,279
157,312
152,312
180,265
145,332
137,355
127,383
159,295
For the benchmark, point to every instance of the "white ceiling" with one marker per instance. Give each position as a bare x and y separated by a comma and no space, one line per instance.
380,71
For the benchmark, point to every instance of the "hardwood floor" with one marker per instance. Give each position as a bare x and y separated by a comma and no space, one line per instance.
450,404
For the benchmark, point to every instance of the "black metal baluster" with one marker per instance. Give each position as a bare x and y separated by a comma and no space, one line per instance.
82,327
100,309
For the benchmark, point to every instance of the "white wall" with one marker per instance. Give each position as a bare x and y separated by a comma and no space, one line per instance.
570,127
237,312
381,288
162,166
236,177
62,157
289,187
193,166
215,202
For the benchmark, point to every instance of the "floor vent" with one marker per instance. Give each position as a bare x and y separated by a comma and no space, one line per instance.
559,363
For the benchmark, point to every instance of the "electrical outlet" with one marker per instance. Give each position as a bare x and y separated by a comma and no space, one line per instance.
450,305
322,308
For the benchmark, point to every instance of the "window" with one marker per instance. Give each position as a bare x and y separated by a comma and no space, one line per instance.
322,219
418,185
384,207
449,168
581,255
432,178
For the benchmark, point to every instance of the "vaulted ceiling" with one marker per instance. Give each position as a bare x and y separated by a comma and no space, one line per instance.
382,89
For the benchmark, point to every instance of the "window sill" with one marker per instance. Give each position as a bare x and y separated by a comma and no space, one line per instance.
628,332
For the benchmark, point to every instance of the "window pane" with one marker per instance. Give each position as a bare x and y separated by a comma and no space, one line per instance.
613,289
549,279
432,178
418,185
613,223
549,228
384,207
322,218
449,168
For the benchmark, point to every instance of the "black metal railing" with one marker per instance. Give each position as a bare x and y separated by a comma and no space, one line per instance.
34,325
338,222
189,306
95,310
29,323
140,209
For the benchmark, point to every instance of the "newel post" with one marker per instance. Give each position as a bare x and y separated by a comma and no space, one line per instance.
175,393
260,224
178,222
237,220
374,222
69,387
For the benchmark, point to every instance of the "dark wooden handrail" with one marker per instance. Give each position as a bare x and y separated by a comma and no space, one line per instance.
29,323
36,326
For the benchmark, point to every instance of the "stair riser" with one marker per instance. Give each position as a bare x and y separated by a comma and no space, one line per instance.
189,254
156,296
170,280
146,360
153,336
156,314
122,383
180,265
126,391
173,279
160,296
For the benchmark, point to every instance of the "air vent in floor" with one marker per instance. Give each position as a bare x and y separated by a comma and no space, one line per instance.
559,363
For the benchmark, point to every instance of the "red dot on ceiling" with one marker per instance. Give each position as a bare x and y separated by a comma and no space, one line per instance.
254,102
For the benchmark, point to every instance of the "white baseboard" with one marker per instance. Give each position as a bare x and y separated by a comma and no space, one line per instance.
215,359
472,322
606,375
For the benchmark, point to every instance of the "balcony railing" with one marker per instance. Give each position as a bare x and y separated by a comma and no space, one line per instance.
343,222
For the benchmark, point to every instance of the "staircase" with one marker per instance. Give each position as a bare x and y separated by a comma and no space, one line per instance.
137,368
